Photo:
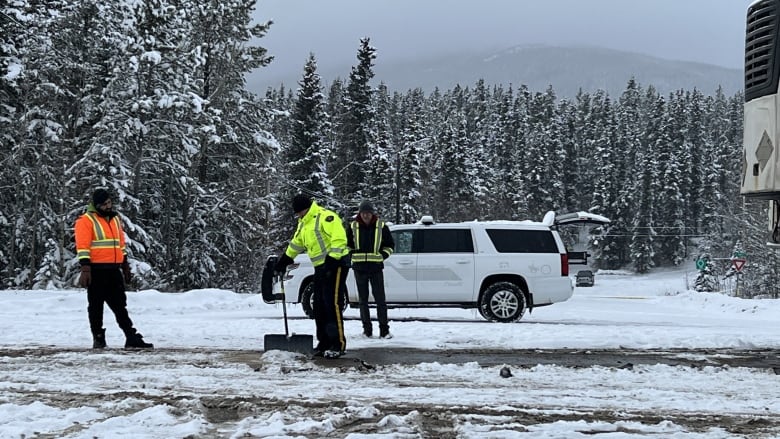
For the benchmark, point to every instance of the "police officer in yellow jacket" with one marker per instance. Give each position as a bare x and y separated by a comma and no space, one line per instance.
322,236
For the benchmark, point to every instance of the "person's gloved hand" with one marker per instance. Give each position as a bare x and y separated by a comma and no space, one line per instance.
126,272
86,276
281,265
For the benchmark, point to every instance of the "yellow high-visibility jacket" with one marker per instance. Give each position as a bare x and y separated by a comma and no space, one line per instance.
320,233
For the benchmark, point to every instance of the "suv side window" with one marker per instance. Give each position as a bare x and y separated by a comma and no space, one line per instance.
523,241
403,241
445,241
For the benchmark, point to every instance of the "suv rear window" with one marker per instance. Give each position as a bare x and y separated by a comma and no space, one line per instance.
523,241
444,241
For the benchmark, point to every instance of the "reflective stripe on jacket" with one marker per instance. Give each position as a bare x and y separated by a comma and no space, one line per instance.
99,240
361,254
320,233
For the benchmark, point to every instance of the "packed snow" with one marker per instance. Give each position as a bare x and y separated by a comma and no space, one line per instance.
210,377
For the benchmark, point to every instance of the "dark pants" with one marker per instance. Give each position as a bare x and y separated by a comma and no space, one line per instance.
377,281
108,286
328,295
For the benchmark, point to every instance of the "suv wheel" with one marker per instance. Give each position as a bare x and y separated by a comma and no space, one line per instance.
503,302
307,300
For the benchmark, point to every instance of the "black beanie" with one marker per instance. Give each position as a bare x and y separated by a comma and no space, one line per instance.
100,196
301,202
366,206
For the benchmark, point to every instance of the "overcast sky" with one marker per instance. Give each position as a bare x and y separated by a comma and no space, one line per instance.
709,31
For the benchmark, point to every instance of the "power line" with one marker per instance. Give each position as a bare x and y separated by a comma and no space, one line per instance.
684,235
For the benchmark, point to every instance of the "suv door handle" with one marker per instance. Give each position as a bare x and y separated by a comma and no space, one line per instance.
405,263
463,261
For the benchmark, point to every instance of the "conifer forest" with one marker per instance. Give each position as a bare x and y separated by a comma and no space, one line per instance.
149,99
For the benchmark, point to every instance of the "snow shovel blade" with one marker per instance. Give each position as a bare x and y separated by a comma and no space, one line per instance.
301,343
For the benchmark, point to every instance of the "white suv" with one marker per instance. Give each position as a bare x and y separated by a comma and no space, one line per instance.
501,268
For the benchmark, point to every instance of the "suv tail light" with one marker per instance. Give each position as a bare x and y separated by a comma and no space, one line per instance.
564,264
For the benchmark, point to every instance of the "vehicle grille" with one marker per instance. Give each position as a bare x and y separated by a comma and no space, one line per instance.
761,54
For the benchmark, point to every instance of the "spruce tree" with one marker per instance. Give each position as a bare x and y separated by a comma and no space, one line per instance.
307,153
502,183
456,185
606,241
356,136
413,153
542,155
671,157
234,149
380,167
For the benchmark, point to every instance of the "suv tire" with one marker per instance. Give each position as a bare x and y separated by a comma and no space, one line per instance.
503,302
307,300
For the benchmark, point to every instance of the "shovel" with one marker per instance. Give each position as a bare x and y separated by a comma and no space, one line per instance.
303,344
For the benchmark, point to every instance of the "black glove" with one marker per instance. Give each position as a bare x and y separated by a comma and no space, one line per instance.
281,265
86,276
384,255
126,272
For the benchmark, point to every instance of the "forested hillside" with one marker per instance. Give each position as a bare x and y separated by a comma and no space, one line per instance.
150,100
567,69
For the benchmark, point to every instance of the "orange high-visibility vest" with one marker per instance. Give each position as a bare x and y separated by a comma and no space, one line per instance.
99,240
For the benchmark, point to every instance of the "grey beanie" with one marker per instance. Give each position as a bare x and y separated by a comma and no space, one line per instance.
366,206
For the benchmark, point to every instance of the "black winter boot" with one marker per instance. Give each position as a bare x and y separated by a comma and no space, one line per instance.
136,341
99,339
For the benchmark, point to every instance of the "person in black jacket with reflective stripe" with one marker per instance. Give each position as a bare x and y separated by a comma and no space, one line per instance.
370,242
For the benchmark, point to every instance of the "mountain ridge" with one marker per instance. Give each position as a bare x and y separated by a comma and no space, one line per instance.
566,68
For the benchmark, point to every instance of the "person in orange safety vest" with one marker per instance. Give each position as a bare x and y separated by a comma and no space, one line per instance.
100,248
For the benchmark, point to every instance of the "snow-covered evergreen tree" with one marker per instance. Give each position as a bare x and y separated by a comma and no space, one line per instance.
504,188
307,153
670,161
455,190
543,149
645,186
350,155
380,166
414,147
614,198
480,127
706,279
53,68
229,128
